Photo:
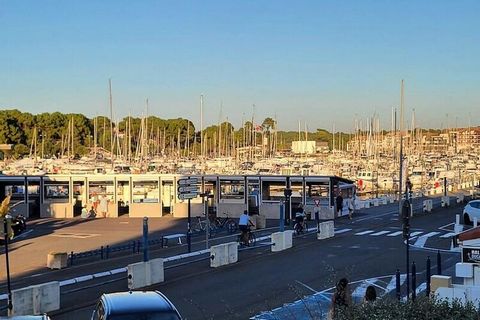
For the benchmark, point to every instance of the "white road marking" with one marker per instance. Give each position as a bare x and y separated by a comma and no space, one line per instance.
308,287
397,233
379,233
421,287
364,233
342,231
414,234
423,239
393,283
448,235
74,235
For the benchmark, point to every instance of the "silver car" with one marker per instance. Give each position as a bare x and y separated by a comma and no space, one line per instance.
135,305
471,210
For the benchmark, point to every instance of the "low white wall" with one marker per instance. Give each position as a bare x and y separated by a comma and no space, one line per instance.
142,274
35,300
180,210
145,209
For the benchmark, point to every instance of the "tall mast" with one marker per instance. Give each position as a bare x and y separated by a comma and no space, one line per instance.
111,119
201,125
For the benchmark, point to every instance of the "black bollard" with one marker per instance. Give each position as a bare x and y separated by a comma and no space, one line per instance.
428,277
397,284
101,252
414,281
145,239
439,263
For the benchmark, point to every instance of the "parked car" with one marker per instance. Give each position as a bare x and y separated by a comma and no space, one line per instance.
471,210
135,305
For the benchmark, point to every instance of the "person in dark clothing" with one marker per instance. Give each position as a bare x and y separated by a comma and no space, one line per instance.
370,294
339,202
341,298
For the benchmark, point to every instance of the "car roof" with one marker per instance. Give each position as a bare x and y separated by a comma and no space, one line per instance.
136,301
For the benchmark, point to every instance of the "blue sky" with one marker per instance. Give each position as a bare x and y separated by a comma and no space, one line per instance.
319,62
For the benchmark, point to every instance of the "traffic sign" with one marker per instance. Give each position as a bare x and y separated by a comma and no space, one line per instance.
187,189
186,196
317,202
187,181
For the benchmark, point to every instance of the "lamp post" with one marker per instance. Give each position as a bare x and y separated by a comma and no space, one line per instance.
6,239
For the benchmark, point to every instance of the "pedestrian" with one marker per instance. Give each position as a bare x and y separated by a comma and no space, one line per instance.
370,295
341,298
103,206
339,203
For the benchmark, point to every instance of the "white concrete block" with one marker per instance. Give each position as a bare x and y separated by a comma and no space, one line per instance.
35,300
282,240
464,270
57,260
460,198
22,301
385,201
142,274
376,202
427,205
223,254
366,204
326,230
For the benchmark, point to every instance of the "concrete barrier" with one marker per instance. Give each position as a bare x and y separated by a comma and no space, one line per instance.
445,201
460,198
57,260
143,274
376,202
326,230
366,204
282,240
35,300
223,254
427,205
385,201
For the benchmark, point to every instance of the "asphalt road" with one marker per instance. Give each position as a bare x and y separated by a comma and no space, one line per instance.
369,246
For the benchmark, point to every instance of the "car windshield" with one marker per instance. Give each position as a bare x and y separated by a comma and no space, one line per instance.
146,316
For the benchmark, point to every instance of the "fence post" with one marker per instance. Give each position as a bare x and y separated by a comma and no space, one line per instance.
282,217
133,246
71,258
139,244
439,263
397,284
101,252
428,276
107,251
414,281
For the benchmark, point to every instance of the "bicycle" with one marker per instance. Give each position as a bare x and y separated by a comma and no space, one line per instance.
252,239
227,222
200,226
300,227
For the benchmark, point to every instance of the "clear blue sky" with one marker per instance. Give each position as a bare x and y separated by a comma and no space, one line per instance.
317,61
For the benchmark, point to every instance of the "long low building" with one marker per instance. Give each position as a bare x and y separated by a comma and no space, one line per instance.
64,196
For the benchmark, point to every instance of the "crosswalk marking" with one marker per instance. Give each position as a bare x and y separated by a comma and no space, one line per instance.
363,233
397,233
414,234
393,283
448,235
342,231
423,239
379,233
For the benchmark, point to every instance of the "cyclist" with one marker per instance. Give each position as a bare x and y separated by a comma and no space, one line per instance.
300,217
244,224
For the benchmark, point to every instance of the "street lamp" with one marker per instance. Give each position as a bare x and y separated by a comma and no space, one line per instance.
6,221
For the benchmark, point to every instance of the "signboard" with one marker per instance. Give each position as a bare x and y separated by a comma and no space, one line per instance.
186,196
187,189
187,181
317,202
470,255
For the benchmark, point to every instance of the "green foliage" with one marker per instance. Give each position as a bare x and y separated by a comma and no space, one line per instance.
421,308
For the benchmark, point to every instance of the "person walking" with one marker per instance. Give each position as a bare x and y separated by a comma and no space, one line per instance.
339,203
341,298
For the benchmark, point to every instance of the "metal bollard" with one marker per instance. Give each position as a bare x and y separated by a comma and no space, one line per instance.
282,217
145,239
71,258
107,252
397,285
134,247
439,263
428,276
101,252
414,281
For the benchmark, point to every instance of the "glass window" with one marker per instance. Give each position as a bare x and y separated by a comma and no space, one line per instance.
317,191
17,191
232,189
57,190
98,190
273,190
145,191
